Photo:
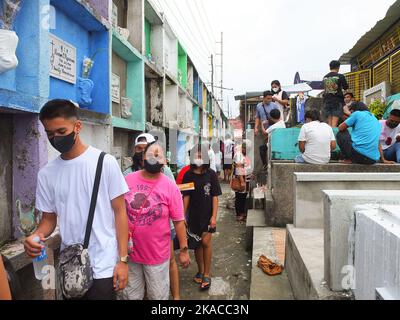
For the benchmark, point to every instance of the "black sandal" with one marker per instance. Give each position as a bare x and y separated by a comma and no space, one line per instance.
207,281
198,278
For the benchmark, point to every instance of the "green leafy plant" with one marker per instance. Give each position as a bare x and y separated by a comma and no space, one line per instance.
8,13
377,108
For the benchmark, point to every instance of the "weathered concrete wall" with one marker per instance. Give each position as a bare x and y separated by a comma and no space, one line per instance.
377,251
171,103
123,142
135,24
338,216
171,53
6,134
119,67
101,6
308,197
29,155
154,101
157,45
280,185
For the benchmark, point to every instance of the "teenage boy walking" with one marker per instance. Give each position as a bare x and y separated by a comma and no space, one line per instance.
64,193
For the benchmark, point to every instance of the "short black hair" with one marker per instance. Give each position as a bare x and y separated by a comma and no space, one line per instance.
58,108
276,82
268,93
313,114
358,106
395,113
349,94
275,114
334,65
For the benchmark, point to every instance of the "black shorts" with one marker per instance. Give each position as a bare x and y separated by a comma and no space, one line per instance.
227,166
333,109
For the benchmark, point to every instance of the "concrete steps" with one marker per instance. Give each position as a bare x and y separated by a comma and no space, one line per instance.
255,218
269,242
305,264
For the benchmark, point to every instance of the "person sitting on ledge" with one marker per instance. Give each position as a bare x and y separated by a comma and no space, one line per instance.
362,146
390,137
316,140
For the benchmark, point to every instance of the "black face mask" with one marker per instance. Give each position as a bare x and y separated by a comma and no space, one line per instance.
63,144
153,168
138,159
392,125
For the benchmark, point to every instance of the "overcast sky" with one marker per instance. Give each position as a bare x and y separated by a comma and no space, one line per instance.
266,40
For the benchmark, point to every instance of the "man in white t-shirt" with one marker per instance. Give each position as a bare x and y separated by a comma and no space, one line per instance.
316,140
64,193
275,122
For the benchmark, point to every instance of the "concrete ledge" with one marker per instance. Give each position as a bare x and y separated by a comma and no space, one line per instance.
22,264
338,216
270,219
255,218
341,176
15,251
308,197
280,176
305,265
264,287
377,251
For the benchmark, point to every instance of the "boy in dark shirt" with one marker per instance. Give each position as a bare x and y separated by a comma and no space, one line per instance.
334,84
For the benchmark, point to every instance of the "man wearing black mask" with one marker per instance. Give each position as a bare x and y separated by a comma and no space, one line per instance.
64,195
390,137
141,143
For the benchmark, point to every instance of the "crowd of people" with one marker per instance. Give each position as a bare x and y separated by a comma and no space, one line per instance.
142,217
361,137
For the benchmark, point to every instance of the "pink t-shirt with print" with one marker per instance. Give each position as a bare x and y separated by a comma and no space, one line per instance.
150,226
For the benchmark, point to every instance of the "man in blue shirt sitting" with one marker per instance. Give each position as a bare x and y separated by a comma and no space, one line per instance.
262,121
363,146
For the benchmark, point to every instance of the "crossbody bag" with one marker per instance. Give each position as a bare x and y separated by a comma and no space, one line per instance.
75,271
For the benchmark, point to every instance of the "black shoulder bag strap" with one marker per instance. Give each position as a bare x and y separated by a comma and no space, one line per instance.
265,111
93,202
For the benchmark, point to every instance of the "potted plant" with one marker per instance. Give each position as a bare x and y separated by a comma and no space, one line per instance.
8,38
86,85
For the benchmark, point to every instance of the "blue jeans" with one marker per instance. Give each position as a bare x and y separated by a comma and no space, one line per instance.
393,153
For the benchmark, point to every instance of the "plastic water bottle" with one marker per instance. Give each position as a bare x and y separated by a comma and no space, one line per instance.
39,262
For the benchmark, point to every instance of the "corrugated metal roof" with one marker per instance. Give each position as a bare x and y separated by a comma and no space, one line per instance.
371,36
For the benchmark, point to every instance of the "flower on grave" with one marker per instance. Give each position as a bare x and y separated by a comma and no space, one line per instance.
8,13
87,67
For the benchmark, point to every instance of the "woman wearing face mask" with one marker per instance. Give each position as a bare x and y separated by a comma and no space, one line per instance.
242,166
281,98
152,200
201,208
141,143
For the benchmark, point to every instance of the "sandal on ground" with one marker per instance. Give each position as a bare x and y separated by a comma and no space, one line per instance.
206,283
198,278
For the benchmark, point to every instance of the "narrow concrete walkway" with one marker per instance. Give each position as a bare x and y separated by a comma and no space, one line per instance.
231,266
271,243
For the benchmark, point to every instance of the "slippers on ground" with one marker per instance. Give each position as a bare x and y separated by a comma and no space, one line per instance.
206,283
198,278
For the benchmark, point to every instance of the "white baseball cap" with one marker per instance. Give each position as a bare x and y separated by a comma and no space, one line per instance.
144,136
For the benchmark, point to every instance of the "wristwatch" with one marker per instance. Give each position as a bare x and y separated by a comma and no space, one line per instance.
184,250
124,259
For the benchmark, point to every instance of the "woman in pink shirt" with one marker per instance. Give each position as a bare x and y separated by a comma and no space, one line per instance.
152,200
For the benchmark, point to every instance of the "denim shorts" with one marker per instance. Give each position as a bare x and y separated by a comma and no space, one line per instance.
333,109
